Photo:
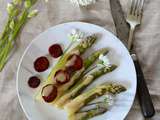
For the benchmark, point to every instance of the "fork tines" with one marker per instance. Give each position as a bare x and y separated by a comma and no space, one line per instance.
136,7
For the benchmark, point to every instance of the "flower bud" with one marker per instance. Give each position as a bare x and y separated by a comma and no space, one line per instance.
32,13
10,8
12,25
27,3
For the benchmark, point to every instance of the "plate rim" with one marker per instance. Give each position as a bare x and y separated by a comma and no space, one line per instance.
74,22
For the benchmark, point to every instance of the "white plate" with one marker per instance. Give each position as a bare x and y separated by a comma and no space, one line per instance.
124,74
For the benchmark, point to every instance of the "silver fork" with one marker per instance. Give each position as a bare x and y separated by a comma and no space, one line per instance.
134,18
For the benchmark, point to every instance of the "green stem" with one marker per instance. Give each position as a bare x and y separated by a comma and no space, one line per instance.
66,50
90,69
4,42
9,46
88,114
95,103
6,29
5,55
8,36
69,46
12,16
89,61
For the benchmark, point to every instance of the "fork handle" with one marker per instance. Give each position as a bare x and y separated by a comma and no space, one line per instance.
131,32
143,93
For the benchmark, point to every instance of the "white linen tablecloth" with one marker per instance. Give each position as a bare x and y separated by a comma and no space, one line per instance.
147,44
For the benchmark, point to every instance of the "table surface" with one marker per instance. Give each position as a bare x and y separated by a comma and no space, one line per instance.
147,42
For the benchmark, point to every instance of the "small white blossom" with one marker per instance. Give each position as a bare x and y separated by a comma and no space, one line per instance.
109,99
107,102
74,31
105,60
76,35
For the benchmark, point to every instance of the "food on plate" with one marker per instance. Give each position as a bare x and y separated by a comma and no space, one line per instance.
34,82
72,74
49,93
93,109
41,64
75,62
78,49
82,84
80,101
78,74
55,50
62,77
89,114
88,61
94,56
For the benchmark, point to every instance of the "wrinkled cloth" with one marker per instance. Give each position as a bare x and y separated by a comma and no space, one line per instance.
146,43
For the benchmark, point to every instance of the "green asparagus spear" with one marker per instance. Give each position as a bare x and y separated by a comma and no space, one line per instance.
82,84
88,114
75,78
97,108
85,44
88,62
76,104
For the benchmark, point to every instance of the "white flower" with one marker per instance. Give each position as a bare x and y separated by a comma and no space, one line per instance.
74,31
109,99
76,35
105,60
83,2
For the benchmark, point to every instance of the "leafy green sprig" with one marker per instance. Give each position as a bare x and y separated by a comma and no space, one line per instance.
19,12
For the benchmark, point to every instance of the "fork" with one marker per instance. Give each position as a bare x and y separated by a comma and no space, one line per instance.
134,19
